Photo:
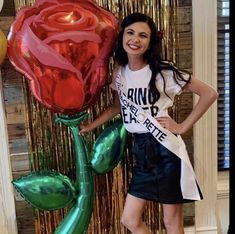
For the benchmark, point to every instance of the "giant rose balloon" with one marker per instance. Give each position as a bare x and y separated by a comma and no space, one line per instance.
62,47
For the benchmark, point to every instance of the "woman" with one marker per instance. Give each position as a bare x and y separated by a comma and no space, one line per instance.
144,88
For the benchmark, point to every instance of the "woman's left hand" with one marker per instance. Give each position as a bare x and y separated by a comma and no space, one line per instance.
170,124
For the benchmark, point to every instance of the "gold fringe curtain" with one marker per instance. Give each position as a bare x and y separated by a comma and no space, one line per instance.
51,145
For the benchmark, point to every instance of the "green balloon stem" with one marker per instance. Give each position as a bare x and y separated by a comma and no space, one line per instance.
78,218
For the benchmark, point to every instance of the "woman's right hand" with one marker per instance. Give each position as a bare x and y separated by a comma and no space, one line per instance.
106,115
85,128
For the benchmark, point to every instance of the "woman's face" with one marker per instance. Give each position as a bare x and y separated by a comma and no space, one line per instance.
136,39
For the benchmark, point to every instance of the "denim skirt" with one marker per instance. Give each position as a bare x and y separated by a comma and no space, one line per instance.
156,173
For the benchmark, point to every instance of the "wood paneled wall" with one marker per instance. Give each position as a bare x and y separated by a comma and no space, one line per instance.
15,117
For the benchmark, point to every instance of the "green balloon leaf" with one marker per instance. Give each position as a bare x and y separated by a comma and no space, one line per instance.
46,190
108,149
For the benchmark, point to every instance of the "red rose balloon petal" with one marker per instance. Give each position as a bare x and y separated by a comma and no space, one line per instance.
62,47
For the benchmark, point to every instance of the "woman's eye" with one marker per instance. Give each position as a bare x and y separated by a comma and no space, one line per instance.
130,33
143,35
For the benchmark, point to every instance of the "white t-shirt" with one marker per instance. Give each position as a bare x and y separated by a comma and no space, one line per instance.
137,91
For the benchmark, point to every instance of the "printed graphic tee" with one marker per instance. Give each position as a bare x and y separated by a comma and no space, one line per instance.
136,89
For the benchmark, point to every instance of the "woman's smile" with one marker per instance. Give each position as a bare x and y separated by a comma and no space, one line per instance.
133,46
136,38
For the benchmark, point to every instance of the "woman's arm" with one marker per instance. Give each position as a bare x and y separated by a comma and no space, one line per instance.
207,95
106,115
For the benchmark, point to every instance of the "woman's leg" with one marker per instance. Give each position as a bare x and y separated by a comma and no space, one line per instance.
132,215
173,218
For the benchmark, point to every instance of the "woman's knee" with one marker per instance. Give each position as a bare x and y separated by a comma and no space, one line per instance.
129,222
173,217
132,214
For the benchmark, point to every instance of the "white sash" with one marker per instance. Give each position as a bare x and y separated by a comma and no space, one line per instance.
173,143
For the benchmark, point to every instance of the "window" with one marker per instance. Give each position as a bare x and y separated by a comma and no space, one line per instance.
223,43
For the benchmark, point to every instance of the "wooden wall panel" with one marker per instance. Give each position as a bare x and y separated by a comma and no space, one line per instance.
15,118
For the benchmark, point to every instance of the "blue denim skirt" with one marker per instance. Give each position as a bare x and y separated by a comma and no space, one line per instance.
156,173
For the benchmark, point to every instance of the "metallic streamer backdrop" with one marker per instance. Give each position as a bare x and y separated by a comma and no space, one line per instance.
51,145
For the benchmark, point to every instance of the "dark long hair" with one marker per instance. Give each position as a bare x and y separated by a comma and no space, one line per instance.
151,56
